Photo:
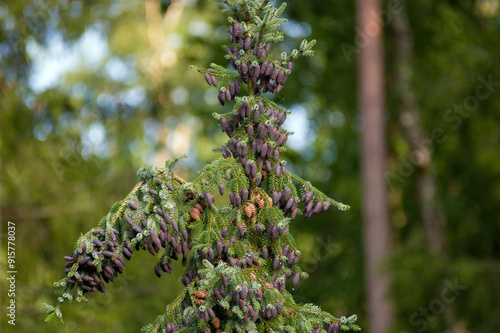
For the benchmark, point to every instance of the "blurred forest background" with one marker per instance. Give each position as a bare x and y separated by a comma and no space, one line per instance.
93,90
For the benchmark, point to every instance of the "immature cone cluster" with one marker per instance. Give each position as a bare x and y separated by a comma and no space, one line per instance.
169,233
332,328
258,150
102,258
87,276
264,75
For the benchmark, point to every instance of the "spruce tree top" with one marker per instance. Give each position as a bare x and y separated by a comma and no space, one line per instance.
239,255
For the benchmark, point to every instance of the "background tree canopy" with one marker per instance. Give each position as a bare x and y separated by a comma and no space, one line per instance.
93,90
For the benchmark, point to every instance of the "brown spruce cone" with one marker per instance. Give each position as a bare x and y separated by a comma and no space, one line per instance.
216,322
199,207
195,214
200,294
259,201
199,301
249,210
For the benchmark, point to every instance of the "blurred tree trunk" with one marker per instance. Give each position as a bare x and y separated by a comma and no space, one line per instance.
420,143
376,223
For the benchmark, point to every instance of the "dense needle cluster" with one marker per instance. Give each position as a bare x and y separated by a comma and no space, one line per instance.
238,255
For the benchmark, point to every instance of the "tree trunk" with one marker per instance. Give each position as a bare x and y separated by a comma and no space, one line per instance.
418,140
420,143
376,223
